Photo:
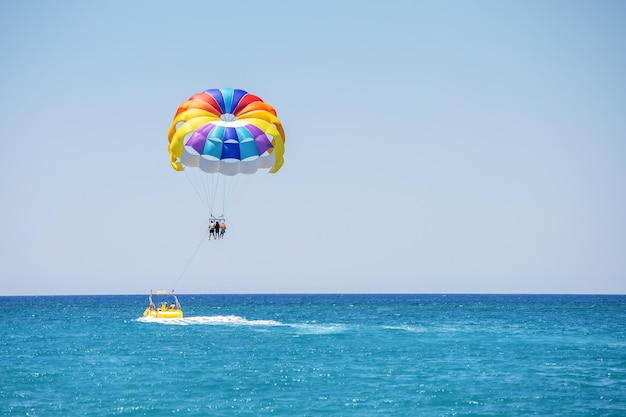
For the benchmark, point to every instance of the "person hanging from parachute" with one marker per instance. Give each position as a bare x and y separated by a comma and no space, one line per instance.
211,229
221,134
222,229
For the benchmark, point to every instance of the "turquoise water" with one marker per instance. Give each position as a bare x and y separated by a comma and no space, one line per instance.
315,355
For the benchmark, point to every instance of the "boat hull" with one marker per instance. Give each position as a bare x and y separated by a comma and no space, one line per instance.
167,314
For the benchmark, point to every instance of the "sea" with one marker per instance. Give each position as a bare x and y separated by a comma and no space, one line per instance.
315,355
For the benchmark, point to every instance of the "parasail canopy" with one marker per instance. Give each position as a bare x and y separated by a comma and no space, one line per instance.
227,131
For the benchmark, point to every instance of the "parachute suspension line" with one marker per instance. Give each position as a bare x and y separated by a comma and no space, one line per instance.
232,189
238,188
203,184
218,192
190,259
209,189
217,184
200,192
225,191
208,181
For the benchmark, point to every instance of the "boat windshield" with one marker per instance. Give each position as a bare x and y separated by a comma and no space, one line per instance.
166,300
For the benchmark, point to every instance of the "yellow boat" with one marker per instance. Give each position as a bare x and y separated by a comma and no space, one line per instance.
163,309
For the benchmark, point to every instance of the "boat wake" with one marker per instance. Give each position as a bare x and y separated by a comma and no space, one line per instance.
319,329
299,328
311,328
211,320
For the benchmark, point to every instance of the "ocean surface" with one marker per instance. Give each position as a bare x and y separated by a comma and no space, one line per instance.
315,355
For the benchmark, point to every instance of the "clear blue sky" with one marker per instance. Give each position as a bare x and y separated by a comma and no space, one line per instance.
466,147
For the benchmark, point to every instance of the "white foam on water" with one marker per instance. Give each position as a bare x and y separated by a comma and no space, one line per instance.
308,328
407,328
300,328
211,320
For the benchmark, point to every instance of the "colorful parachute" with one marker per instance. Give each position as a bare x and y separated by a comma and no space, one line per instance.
227,131
224,132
